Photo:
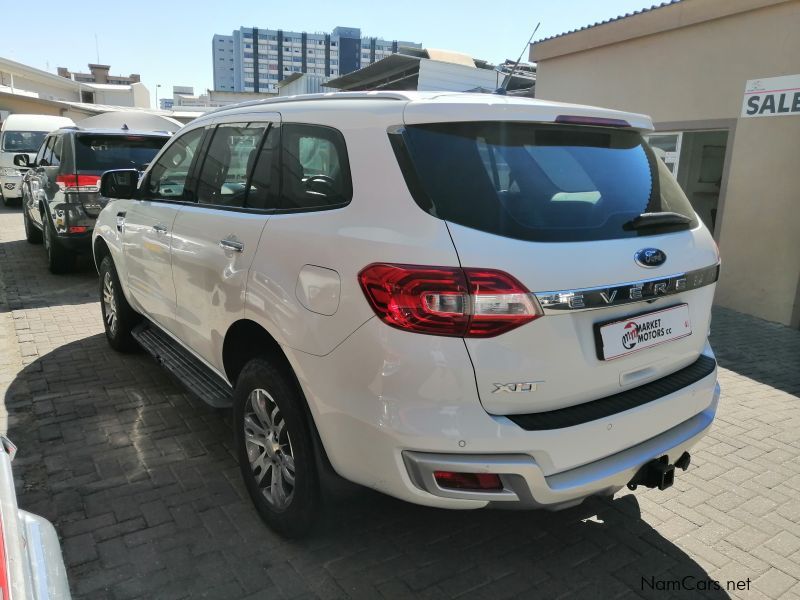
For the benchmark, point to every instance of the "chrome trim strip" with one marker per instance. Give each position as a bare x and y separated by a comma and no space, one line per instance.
644,290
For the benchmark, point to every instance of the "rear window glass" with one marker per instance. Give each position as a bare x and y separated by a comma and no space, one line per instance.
106,152
539,182
23,141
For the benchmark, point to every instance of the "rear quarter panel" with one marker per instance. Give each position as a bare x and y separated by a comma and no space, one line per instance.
381,224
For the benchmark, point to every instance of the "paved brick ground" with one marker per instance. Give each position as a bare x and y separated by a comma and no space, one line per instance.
140,482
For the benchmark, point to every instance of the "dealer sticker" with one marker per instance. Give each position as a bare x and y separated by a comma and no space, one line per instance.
630,335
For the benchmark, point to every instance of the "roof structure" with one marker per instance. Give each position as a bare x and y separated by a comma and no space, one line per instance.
618,18
400,71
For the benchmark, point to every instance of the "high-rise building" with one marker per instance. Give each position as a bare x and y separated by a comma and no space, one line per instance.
255,60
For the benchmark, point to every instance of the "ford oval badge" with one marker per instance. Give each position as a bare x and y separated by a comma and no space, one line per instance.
650,257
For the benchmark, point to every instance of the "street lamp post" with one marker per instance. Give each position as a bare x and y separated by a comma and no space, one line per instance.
158,104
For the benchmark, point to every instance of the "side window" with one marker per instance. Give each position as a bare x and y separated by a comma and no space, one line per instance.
314,168
47,157
40,153
233,149
58,146
168,176
263,192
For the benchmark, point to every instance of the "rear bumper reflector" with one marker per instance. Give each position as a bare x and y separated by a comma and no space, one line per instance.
617,403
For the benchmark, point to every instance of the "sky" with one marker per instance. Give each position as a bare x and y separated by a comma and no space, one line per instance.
169,42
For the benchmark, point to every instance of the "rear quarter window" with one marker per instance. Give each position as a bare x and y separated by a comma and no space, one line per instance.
538,182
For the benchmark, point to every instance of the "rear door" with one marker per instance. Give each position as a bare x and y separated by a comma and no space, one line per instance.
35,181
553,206
215,238
146,227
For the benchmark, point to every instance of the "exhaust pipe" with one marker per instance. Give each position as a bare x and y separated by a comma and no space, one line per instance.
658,473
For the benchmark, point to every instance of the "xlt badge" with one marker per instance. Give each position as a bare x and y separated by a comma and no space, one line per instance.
526,386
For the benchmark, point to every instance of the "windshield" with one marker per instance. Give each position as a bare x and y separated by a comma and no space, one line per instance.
23,141
541,182
96,152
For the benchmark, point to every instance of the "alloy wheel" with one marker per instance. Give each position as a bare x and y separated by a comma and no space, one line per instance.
269,448
109,303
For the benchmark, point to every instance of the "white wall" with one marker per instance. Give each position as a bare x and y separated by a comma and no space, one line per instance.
435,75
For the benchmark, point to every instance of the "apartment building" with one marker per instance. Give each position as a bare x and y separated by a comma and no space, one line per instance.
256,60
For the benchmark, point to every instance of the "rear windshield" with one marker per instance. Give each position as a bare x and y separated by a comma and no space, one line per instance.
105,152
539,182
23,141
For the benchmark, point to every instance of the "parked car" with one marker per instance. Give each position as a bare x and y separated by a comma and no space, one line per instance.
61,198
30,554
460,300
22,133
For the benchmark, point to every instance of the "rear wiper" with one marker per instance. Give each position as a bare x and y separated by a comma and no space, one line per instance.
656,219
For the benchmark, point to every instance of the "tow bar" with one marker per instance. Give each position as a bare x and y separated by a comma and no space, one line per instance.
658,473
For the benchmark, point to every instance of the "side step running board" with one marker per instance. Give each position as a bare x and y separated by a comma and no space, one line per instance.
191,372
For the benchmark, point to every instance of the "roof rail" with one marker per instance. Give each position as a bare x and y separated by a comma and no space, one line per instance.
373,95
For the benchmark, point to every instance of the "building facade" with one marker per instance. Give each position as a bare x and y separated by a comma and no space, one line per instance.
100,74
256,60
721,81
22,86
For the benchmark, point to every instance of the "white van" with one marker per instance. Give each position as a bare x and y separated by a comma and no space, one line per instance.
22,134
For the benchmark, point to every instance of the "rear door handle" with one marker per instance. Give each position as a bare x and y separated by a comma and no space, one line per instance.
231,245
159,228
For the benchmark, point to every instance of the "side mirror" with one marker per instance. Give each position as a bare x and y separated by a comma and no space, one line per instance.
121,184
22,160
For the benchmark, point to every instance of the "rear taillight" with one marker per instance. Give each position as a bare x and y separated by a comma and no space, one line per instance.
451,301
78,183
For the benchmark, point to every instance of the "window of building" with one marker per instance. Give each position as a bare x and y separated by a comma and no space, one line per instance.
87,97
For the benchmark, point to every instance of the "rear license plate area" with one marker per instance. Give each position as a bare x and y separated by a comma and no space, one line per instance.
622,337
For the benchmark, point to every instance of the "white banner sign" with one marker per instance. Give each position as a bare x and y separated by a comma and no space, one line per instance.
772,97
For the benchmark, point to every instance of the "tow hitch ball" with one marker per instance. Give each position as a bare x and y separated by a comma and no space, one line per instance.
658,473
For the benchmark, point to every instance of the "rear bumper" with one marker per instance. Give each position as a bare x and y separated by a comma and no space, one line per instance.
388,404
80,242
525,484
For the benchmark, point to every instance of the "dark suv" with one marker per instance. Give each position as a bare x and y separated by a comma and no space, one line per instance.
61,192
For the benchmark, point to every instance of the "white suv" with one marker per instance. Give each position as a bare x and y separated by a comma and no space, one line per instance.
460,300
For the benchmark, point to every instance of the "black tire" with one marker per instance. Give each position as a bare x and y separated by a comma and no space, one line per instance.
59,259
113,304
32,234
261,380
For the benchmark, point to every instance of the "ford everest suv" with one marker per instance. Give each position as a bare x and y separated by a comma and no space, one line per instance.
460,300
60,191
